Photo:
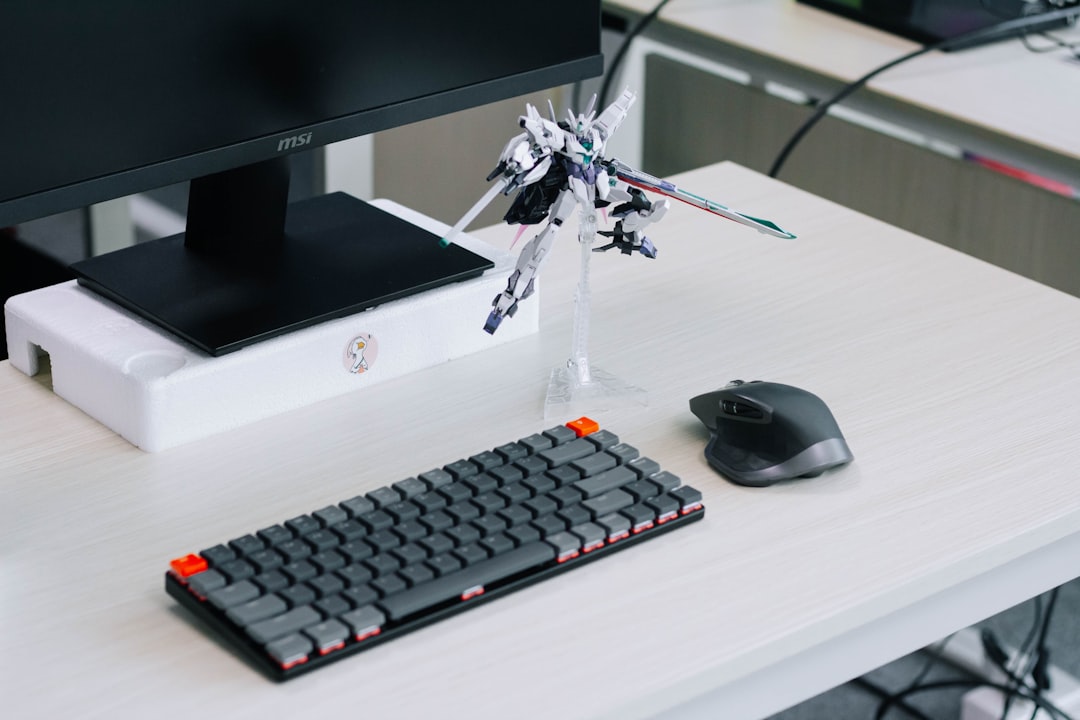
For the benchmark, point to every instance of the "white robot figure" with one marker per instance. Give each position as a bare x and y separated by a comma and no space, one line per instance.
561,165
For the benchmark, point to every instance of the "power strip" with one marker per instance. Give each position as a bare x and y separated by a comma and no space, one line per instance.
965,651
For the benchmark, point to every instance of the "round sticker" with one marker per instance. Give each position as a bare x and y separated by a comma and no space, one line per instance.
361,353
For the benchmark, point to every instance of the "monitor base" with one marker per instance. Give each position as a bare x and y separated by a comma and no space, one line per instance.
158,391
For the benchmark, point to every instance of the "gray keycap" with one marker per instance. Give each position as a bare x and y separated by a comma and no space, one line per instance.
594,464
331,515
358,505
258,609
560,434
644,466
290,650
606,481
615,524
454,584
327,635
364,620
608,502
567,452
204,582
437,478
666,480
603,439
281,625
411,487
590,534
241,592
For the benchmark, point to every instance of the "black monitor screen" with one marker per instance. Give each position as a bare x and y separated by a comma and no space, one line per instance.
101,100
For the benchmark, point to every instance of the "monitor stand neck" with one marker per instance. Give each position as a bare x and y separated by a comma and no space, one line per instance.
239,213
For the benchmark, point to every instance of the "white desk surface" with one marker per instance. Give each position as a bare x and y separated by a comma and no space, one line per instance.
1002,88
957,385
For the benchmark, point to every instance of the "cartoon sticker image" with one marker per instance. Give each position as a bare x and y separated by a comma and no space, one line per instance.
360,353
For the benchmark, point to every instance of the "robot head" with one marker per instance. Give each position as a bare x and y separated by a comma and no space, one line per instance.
584,138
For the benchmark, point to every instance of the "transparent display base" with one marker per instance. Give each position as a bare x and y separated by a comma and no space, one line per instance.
568,395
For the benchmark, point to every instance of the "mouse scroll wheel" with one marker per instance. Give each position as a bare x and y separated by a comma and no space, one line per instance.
740,409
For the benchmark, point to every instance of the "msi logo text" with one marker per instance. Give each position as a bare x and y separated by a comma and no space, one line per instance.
293,142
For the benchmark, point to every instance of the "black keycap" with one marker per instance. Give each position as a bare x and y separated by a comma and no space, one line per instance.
535,443
409,554
217,555
416,574
358,506
295,550
531,465
471,553
355,574
247,545
560,434
512,451
436,478
563,475
461,469
303,525
541,505
410,487
383,540
326,585
299,571
437,521
349,530
606,481
389,584
564,496
481,484
515,515
265,560
592,535
384,496
297,595
567,452
487,460
356,550
453,584
333,606
515,493
237,570
328,560
331,515
623,453
665,480
383,564
489,502
523,534
361,595
642,490
574,514
609,502
566,544
463,511
549,524
497,543
688,497
594,464
644,466
641,516
275,535
402,511
376,521
489,524
539,484
506,474
456,492
666,507
322,540
430,502
412,530
437,544
271,581
603,439
463,534
444,563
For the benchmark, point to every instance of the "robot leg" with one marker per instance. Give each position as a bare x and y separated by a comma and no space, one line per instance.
634,216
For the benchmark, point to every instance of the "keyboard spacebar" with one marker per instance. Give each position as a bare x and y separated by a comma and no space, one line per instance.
455,584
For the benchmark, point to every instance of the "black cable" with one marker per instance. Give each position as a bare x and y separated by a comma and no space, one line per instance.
975,37
1026,647
609,76
917,680
885,695
1040,702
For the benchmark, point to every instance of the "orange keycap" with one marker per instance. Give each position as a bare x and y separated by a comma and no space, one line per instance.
583,426
188,565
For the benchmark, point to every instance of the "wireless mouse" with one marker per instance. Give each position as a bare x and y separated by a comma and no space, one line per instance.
764,432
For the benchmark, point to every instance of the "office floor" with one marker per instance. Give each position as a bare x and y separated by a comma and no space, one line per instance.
854,702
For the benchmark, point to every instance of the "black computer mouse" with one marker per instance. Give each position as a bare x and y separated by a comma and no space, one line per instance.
764,432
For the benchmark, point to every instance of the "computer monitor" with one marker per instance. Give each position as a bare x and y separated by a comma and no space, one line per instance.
102,100
930,21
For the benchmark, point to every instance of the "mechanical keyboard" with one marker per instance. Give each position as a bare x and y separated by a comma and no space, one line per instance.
311,590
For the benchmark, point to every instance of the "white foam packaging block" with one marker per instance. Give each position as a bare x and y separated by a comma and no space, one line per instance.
158,392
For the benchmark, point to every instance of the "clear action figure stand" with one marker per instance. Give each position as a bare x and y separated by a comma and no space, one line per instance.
578,388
